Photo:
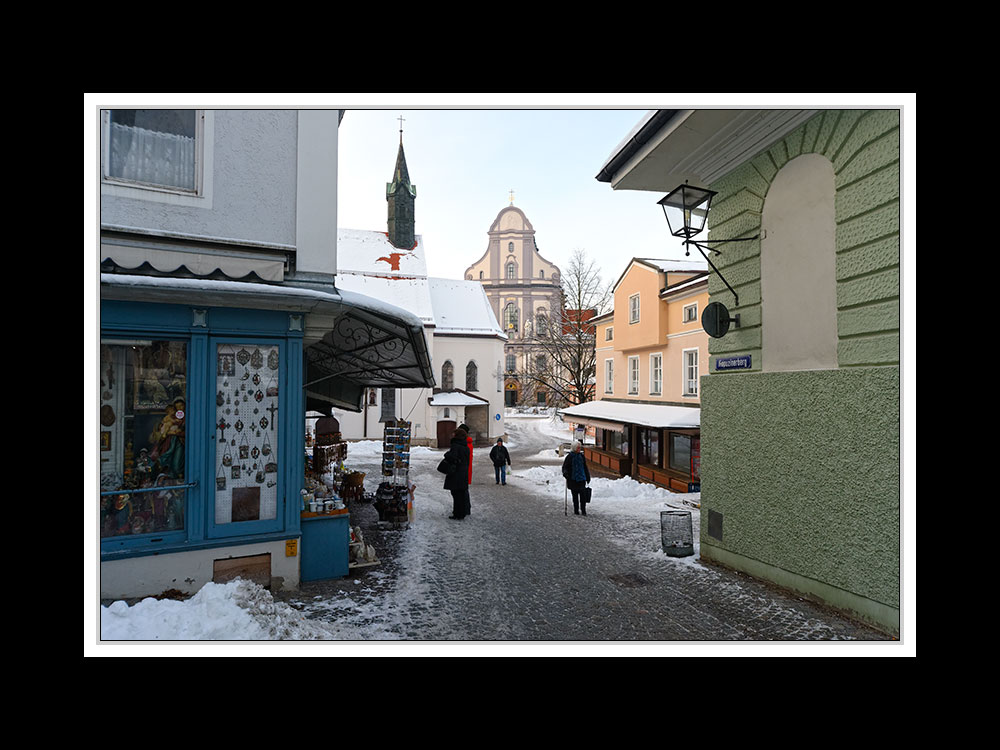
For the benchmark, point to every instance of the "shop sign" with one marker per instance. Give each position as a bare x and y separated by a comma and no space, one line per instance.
739,362
291,547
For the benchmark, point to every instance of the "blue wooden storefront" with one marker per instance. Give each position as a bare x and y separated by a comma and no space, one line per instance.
204,331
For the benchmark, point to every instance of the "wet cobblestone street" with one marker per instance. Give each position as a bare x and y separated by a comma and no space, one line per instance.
520,569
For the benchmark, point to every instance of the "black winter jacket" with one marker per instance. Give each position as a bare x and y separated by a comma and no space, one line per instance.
458,456
499,455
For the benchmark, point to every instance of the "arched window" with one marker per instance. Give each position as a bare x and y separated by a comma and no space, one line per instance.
510,317
447,376
541,322
798,274
511,270
471,376
541,274
480,274
511,362
510,247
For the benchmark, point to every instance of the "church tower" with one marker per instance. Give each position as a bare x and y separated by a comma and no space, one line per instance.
401,196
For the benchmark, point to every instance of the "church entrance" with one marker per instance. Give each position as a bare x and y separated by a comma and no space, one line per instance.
445,430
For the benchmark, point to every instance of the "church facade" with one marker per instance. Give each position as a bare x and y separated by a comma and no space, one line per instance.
523,289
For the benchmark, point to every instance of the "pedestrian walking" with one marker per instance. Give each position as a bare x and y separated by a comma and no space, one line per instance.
577,475
468,442
500,457
455,467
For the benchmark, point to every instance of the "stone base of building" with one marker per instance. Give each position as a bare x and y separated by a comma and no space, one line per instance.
880,616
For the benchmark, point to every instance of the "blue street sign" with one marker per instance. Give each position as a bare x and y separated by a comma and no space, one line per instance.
739,362
497,417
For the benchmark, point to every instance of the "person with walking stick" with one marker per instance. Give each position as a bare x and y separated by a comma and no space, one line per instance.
577,475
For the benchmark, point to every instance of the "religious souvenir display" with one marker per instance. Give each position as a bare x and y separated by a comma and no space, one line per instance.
143,392
248,491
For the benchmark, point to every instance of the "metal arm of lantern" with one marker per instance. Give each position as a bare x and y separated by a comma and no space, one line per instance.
686,209
708,260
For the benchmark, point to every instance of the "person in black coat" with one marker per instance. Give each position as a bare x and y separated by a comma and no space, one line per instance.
577,475
456,461
501,459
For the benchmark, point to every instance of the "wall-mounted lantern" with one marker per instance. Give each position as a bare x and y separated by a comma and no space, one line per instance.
686,208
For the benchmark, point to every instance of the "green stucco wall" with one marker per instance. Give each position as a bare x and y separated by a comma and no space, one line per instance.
803,467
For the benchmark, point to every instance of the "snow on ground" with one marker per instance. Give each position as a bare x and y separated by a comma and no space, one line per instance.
242,611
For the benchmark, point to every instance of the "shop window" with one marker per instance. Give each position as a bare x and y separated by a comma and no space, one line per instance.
143,396
246,422
649,447
681,453
156,147
611,440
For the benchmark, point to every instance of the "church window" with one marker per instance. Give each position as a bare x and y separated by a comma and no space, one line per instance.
510,317
511,270
447,376
471,377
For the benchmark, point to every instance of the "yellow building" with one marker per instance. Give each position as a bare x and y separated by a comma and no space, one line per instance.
651,351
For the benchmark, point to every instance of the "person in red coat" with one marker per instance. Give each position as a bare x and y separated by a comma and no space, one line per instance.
468,442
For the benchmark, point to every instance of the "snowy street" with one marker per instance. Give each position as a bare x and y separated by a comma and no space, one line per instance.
520,568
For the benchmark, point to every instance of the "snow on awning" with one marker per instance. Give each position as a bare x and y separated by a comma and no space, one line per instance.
350,341
456,398
614,414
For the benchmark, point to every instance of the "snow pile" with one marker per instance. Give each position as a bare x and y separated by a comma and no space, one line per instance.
238,610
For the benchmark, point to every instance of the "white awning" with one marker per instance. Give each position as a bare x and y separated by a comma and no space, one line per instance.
615,414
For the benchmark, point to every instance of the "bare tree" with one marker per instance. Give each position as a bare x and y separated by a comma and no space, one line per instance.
563,358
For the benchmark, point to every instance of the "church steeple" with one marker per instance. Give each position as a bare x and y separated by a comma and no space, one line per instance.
401,196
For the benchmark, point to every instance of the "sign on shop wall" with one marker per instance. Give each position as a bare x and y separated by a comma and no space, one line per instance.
737,362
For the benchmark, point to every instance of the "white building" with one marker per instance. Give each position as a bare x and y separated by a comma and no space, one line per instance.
464,340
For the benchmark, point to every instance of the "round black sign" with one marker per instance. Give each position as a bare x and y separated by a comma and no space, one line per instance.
715,320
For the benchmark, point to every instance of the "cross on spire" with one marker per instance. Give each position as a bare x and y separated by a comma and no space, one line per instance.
512,196
400,118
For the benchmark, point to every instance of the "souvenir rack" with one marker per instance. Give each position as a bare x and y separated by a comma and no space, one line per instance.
392,496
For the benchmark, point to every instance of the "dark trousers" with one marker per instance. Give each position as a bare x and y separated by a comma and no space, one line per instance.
501,473
578,505
460,502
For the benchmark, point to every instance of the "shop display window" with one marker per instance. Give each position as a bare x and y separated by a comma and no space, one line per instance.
143,397
246,432
685,454
649,446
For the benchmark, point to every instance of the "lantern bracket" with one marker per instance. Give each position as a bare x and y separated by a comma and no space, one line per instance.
702,245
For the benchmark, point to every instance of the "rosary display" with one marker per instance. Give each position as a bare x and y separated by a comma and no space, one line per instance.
246,405
393,494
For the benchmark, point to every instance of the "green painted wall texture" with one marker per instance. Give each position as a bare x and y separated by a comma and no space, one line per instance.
804,466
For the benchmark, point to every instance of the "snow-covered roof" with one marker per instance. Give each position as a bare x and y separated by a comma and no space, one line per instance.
462,307
368,251
645,415
688,265
456,398
409,293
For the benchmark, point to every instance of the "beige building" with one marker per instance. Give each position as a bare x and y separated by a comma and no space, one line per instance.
651,351
522,287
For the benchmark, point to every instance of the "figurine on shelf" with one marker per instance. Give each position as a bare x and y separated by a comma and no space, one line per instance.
168,439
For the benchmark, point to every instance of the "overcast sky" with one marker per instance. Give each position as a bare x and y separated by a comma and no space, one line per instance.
465,163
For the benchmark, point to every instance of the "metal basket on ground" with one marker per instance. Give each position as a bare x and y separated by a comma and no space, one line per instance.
675,533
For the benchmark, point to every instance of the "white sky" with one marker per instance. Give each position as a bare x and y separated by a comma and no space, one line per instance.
464,164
